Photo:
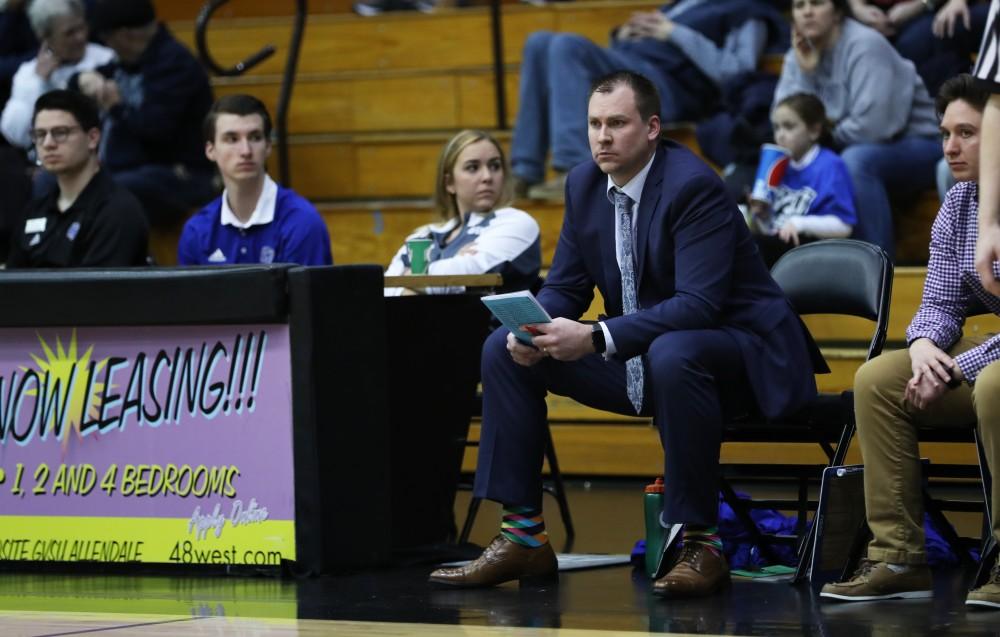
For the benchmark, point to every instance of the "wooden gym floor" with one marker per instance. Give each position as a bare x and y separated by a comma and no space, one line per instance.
605,602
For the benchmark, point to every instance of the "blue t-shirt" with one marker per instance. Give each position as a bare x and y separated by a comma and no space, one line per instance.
821,187
296,234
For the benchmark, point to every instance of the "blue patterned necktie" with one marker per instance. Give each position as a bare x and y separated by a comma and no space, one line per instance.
633,366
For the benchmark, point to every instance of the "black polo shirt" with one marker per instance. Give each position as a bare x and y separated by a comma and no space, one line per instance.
105,226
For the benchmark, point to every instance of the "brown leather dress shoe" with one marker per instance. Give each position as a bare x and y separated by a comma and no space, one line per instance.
502,561
697,573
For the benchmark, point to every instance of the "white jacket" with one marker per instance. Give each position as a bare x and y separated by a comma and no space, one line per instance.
27,87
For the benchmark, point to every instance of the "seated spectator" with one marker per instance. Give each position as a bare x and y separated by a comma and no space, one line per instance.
939,36
689,49
882,116
945,378
477,233
814,199
61,26
154,99
86,219
255,220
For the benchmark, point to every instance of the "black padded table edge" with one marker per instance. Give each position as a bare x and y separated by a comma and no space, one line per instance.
144,296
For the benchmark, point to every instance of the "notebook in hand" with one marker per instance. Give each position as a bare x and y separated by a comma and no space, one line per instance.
515,309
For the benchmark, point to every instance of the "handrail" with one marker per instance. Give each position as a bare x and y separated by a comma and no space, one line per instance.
500,86
287,83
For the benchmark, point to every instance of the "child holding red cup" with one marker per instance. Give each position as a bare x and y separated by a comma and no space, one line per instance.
811,197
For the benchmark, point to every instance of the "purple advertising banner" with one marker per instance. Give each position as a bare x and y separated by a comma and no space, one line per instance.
191,424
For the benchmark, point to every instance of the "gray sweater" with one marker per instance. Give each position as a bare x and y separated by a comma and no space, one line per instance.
871,93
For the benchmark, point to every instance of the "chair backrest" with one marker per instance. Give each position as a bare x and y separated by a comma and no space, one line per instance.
839,276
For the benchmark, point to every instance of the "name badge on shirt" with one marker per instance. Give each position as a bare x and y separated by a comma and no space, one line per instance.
34,226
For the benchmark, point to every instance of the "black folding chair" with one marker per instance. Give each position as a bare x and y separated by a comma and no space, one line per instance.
840,277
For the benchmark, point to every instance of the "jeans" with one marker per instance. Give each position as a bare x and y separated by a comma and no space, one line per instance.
556,73
888,437
903,168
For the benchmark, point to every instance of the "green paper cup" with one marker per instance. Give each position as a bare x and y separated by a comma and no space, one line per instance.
417,250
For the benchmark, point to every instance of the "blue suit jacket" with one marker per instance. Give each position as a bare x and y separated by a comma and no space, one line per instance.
697,268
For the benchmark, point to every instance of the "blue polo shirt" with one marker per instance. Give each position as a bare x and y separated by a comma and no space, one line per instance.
284,228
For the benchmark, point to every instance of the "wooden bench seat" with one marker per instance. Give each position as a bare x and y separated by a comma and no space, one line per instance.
185,10
383,165
446,39
179,10
627,449
379,102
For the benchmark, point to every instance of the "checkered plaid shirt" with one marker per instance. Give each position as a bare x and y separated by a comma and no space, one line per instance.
952,290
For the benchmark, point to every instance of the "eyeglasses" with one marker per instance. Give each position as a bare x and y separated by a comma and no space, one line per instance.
59,134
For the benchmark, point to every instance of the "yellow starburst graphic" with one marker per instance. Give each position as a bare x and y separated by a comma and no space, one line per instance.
71,372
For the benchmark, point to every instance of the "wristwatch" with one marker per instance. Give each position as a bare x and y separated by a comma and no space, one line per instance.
597,338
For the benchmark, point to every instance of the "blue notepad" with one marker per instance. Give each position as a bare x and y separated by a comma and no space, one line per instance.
515,309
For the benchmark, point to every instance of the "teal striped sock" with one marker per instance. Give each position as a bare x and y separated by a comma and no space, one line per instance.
524,526
707,536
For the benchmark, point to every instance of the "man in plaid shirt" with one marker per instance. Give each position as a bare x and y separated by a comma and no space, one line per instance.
942,379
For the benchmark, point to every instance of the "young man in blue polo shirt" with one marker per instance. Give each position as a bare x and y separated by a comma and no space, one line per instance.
255,220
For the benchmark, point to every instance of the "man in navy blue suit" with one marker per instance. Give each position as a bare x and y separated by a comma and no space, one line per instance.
698,332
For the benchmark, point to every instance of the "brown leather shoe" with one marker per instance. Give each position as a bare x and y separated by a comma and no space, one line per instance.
698,572
502,561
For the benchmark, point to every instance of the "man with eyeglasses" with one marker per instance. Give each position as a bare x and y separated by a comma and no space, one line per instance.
86,219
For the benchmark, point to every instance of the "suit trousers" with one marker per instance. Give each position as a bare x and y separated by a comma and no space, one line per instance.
887,431
693,380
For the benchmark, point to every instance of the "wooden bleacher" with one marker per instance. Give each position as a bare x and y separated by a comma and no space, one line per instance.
382,92
387,91
179,10
375,100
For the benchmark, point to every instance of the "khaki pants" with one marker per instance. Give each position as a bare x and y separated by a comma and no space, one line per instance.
888,437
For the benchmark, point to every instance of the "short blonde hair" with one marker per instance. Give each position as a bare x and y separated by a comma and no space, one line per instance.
444,200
